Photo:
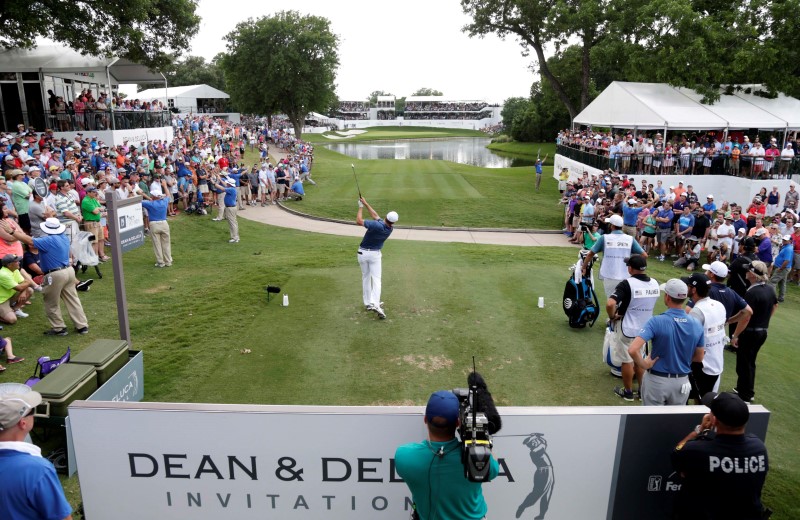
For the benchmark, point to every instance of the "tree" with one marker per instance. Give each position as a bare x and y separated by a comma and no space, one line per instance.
193,70
149,32
512,107
284,63
425,91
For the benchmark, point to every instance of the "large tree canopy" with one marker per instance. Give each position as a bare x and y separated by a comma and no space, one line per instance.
195,70
700,45
284,63
150,32
425,91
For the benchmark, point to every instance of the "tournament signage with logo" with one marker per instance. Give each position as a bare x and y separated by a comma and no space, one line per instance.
205,461
130,224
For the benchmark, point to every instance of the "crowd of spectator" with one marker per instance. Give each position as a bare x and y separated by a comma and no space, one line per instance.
695,154
86,112
676,222
439,106
80,174
448,115
352,106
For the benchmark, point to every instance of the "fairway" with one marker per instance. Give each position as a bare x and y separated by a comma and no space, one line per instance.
403,186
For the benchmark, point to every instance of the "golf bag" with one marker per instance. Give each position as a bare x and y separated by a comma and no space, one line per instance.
580,300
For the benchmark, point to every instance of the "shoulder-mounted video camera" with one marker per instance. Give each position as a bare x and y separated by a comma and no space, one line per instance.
479,420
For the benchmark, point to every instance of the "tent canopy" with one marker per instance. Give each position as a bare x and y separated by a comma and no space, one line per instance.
650,106
54,60
201,91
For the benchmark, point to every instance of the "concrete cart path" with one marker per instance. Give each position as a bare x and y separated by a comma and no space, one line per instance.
276,216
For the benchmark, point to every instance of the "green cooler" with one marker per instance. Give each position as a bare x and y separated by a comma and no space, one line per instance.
67,383
107,356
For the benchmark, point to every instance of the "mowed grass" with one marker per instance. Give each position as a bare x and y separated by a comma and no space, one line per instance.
433,193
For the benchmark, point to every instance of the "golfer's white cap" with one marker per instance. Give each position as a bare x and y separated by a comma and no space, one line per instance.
615,220
392,217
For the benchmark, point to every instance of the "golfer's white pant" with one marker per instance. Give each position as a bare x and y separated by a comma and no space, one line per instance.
370,262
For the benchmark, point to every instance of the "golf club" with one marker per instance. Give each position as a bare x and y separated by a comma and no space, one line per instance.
356,178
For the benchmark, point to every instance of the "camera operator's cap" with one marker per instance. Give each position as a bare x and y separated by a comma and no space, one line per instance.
675,288
638,262
13,407
728,408
10,259
442,405
719,269
696,279
615,220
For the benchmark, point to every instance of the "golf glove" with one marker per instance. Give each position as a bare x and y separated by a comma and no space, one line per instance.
360,204
686,388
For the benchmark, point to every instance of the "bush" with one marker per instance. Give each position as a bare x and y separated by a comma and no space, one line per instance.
502,138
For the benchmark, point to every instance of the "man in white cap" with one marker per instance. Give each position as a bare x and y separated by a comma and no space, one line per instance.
59,276
616,247
30,485
370,256
677,341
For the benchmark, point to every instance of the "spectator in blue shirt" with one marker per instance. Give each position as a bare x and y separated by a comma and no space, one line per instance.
709,207
782,267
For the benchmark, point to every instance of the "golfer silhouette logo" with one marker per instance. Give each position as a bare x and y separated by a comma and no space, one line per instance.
543,478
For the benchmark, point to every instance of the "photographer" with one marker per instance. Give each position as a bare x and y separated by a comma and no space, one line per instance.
433,469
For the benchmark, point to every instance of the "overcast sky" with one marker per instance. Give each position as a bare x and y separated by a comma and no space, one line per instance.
396,47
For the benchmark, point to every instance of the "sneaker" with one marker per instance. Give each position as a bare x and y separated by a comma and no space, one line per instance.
56,332
661,258
38,288
381,314
21,314
159,265
623,393
84,285
82,330
216,219
369,307
233,241
13,360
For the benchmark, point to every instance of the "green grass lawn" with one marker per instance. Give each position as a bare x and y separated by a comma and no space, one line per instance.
526,149
445,303
433,193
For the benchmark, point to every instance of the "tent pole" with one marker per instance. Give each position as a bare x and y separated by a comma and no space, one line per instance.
111,101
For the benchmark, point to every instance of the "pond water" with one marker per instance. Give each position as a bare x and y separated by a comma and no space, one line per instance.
463,150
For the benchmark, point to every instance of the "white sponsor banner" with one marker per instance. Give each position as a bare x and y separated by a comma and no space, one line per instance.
205,461
130,225
575,168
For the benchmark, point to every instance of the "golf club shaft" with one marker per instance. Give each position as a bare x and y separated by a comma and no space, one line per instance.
356,178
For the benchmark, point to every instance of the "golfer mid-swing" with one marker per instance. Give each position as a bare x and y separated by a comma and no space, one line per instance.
369,254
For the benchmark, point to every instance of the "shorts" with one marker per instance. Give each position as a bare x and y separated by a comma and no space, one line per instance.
648,234
5,307
663,235
281,188
796,265
203,188
253,190
619,346
94,228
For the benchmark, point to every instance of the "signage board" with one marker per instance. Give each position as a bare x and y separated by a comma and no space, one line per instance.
130,223
206,461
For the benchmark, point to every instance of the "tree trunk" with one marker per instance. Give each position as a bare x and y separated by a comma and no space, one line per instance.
585,68
297,122
548,75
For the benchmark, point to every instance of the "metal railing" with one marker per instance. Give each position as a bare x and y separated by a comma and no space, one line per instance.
92,120
746,166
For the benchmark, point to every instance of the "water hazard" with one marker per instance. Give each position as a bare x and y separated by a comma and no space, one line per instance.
463,150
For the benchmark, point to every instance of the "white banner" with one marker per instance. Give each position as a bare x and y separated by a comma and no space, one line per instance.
177,461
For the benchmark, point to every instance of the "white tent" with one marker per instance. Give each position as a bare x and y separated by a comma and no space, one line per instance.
184,98
650,106
783,107
63,62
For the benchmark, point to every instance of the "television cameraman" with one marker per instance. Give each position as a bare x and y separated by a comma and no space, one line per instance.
433,469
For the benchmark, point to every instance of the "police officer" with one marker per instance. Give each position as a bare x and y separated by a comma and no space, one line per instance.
616,247
677,341
630,306
722,467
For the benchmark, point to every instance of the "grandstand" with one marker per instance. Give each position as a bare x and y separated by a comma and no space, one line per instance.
438,107
350,110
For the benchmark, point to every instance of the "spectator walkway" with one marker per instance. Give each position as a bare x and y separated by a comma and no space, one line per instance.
282,217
